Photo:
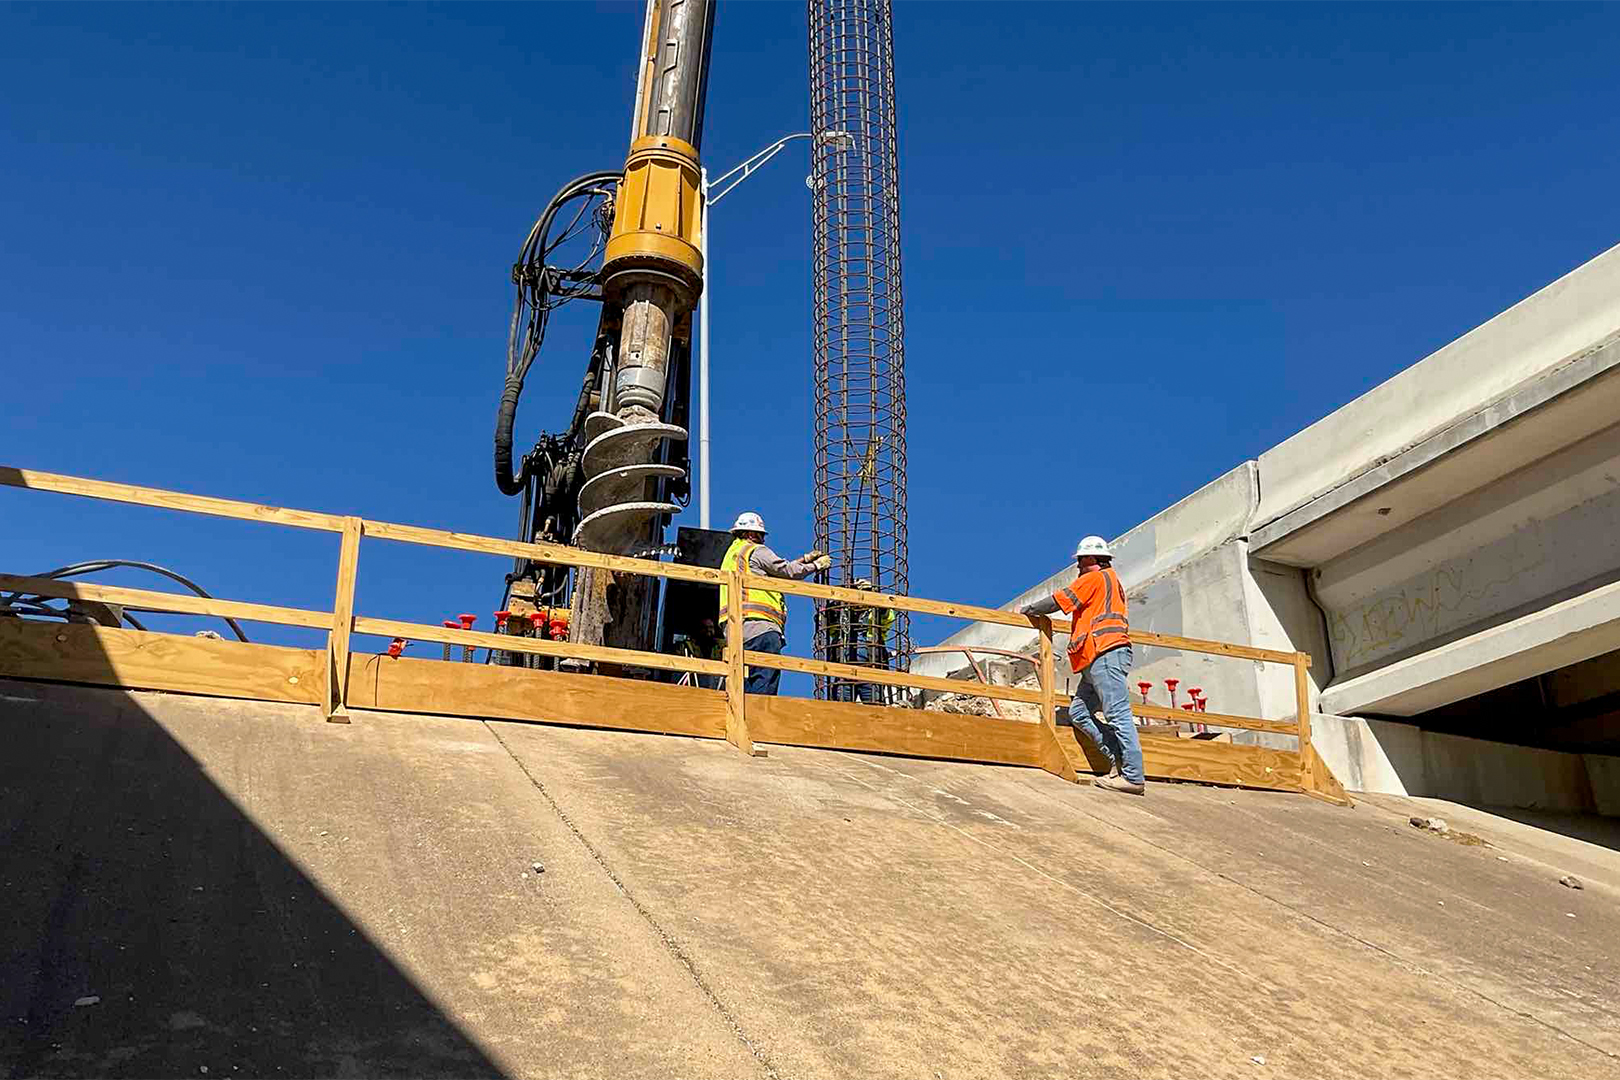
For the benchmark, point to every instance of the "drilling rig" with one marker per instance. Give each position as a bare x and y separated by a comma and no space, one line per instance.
613,479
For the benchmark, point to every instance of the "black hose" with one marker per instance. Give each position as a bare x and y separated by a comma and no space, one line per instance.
98,565
517,365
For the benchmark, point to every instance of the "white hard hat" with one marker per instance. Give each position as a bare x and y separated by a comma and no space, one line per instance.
1094,545
749,522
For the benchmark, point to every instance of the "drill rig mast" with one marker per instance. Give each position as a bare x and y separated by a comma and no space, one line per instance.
613,479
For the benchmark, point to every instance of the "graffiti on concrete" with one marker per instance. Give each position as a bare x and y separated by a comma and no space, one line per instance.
1452,594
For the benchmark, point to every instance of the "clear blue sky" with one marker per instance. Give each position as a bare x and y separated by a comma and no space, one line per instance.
262,252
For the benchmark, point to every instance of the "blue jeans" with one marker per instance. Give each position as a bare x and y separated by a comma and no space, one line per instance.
764,680
1103,689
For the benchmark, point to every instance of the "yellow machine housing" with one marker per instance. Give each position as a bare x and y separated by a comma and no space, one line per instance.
658,215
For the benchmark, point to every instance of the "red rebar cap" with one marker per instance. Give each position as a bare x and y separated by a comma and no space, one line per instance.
467,621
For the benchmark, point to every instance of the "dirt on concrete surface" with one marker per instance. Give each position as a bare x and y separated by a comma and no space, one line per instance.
248,891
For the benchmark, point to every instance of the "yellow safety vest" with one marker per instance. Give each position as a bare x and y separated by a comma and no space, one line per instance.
757,603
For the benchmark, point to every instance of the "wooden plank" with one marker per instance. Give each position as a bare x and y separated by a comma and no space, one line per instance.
151,600
890,600
1216,648
1328,789
1248,723
405,684
337,644
1166,757
168,500
479,639
138,660
546,553
839,725
737,733
1053,759
892,678
1302,703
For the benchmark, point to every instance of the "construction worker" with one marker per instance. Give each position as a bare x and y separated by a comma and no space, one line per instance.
764,612
1100,651
858,635
705,643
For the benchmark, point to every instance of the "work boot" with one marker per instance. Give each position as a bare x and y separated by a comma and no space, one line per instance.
1115,782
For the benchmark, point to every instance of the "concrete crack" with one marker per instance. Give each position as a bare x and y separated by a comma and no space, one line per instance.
672,946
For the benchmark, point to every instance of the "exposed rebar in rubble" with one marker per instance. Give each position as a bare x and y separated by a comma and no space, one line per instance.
860,399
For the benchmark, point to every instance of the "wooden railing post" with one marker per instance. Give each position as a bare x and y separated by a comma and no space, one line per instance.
1302,695
736,694
1053,759
335,700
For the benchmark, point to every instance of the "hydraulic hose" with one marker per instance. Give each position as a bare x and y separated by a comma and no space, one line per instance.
97,565
534,249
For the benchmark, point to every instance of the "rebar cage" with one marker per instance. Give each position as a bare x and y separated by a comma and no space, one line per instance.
860,404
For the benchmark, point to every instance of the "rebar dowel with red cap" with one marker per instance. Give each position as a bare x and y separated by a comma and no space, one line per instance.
1170,685
449,624
501,657
537,622
1144,687
396,647
467,624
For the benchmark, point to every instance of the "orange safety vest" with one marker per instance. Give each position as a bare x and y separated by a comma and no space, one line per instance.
1096,599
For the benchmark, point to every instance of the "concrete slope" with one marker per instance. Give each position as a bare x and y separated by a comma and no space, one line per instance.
364,911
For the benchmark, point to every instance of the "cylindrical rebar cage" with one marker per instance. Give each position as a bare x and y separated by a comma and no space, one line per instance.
860,371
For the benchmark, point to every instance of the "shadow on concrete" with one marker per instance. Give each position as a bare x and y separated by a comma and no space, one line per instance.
1590,828
130,879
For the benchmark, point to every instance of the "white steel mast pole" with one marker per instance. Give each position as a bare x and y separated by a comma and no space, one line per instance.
703,355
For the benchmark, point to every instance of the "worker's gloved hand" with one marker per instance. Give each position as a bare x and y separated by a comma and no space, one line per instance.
812,555
822,562
1027,609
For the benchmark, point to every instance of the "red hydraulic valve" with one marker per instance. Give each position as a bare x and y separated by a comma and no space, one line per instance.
1144,687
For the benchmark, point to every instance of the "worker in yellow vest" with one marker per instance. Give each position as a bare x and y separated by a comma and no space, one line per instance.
764,612
1100,653
858,635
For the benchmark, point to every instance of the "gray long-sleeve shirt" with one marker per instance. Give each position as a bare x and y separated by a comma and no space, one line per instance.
1040,607
768,563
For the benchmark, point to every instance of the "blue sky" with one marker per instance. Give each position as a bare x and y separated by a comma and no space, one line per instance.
263,253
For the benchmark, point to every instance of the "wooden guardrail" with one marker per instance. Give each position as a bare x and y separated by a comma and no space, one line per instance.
198,665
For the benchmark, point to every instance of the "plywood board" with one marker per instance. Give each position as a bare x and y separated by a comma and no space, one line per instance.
912,732
149,600
1168,758
479,639
404,684
168,500
139,660
1183,716
890,600
555,554
883,676
337,643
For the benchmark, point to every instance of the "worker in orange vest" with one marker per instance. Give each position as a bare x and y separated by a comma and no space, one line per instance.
1100,651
